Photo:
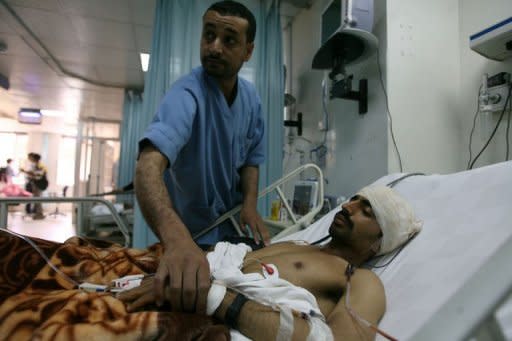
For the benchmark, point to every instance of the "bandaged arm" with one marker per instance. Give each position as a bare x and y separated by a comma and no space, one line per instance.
367,300
260,322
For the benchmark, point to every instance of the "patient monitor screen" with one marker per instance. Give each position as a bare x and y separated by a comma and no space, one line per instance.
302,199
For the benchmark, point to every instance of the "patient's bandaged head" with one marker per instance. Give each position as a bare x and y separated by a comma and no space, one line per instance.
394,215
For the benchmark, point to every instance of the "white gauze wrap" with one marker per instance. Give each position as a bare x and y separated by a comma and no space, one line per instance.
394,215
226,262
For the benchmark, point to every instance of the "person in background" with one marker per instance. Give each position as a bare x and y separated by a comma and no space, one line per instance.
10,173
8,189
200,156
37,183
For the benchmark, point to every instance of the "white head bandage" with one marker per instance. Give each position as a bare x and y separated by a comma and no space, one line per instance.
394,215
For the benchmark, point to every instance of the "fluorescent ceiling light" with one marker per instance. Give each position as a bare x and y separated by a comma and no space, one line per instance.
30,116
144,61
53,113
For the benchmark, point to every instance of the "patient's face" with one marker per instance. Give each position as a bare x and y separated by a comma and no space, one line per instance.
356,225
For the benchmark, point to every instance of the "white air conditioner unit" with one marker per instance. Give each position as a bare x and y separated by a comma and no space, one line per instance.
494,42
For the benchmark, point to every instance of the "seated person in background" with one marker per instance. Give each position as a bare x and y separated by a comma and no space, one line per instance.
8,189
293,290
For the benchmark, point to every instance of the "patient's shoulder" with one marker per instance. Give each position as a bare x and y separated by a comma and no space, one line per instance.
364,280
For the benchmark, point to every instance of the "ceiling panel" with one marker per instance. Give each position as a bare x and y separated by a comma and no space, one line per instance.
132,77
83,70
104,33
49,5
16,46
143,11
143,36
65,51
11,65
117,10
96,39
47,24
103,56
4,28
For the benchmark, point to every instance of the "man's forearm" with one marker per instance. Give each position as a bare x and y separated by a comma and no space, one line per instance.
249,181
260,322
154,201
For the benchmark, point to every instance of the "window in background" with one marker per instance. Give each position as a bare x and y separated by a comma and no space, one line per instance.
66,164
14,146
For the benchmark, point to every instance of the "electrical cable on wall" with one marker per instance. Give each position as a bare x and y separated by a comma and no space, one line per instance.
388,111
473,127
508,129
321,149
495,128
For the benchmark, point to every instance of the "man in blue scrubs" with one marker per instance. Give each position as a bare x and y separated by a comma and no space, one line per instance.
200,156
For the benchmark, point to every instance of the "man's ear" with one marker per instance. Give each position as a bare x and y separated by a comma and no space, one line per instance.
250,48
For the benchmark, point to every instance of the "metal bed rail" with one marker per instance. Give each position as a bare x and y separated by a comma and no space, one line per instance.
4,202
295,222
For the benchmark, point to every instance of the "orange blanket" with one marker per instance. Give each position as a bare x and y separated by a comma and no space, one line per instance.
38,303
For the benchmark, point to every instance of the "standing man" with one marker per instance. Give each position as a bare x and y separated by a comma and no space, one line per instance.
10,173
199,157
38,180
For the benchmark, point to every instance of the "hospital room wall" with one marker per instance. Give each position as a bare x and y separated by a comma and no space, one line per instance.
431,77
423,81
356,144
476,15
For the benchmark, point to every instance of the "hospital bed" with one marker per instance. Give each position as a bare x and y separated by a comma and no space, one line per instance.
121,224
293,222
448,281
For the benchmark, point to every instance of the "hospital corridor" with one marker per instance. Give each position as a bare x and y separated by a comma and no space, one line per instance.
198,169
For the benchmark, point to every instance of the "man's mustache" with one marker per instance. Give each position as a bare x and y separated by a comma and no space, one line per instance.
346,216
214,58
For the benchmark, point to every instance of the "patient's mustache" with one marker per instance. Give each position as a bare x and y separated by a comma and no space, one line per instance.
346,216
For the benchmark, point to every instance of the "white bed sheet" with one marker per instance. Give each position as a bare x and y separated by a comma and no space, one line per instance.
467,227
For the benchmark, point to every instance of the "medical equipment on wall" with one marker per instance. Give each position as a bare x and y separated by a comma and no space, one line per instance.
493,92
494,42
346,39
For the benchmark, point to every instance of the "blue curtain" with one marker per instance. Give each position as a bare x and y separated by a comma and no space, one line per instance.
132,117
175,51
270,85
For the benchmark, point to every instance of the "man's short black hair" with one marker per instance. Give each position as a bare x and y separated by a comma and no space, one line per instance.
9,160
236,9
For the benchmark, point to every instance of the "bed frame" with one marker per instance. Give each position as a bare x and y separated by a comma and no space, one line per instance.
4,202
295,222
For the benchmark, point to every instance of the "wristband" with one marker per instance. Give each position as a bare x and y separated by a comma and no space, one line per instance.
233,311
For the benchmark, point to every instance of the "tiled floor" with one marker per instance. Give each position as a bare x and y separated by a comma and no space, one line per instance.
54,227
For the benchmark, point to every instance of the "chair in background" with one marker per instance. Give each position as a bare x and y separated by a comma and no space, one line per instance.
56,212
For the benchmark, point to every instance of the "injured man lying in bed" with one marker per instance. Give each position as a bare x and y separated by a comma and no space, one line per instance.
285,290
291,290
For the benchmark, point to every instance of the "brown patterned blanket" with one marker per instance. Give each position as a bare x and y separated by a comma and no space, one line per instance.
37,303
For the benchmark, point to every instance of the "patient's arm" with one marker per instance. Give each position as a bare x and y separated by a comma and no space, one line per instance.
367,299
259,322
256,321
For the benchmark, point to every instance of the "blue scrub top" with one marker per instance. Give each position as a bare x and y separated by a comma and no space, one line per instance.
207,142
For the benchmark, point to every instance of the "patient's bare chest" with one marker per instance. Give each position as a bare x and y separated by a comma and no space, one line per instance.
304,266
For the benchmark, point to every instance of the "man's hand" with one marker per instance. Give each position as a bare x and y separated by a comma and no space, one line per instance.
139,297
250,217
183,278
183,270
